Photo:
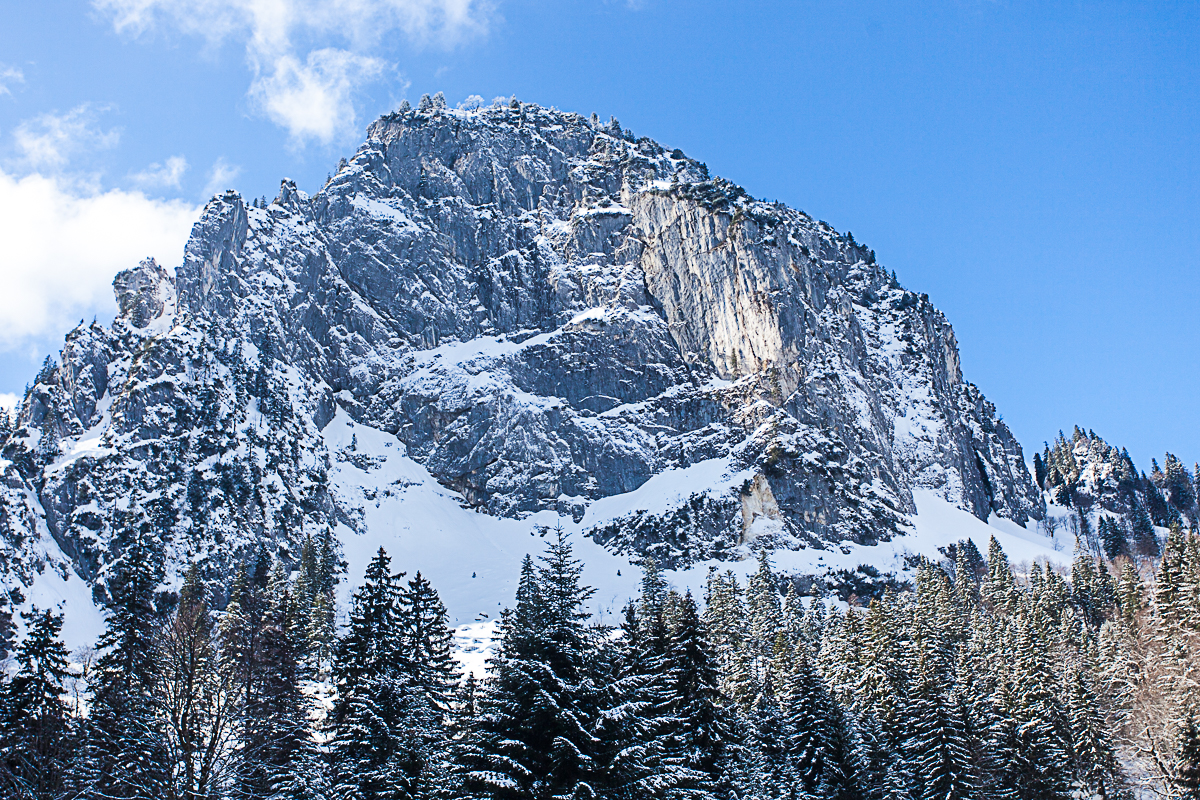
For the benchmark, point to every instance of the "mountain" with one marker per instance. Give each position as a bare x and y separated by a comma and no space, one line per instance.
488,320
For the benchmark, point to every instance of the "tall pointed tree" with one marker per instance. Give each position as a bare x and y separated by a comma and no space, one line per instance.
533,735
35,731
124,753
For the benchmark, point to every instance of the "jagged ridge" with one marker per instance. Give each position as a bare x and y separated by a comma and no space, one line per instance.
545,310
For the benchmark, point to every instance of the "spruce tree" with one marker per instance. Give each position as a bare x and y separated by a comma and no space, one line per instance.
820,739
1186,778
765,620
1041,753
699,746
1145,540
1097,773
768,741
426,641
938,750
380,720
1112,536
277,756
35,731
634,714
124,753
533,735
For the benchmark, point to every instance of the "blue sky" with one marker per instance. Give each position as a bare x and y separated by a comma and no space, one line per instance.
1032,166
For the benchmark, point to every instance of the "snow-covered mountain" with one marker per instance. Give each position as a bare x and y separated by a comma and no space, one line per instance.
489,320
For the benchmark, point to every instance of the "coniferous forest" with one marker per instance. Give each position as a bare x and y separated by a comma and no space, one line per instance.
975,680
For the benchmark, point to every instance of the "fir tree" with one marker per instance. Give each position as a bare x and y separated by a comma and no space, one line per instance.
1041,753
532,737
1112,536
634,714
1186,778
938,749
278,758
699,744
1095,763
1145,540
426,640
382,722
768,741
35,731
124,753
820,753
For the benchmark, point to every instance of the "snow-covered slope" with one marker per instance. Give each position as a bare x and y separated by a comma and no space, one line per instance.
491,320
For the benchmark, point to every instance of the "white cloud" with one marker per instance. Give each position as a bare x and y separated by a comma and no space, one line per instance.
50,140
62,248
161,176
311,96
313,100
221,177
8,76
8,401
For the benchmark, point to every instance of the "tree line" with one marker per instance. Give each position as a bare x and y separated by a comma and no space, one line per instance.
976,680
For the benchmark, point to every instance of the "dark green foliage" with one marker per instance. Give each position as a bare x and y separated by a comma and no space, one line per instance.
1145,540
975,683
1112,538
698,745
1187,759
35,730
277,755
123,752
533,736
389,739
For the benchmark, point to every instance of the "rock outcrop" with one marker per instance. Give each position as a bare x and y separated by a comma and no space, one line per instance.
545,311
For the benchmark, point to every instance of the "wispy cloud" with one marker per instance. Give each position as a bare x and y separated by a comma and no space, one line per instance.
49,141
307,57
63,244
221,177
161,176
312,100
8,77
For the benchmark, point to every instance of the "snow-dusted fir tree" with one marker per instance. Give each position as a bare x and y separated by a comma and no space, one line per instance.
382,722
124,750
36,732
701,749
533,736
277,757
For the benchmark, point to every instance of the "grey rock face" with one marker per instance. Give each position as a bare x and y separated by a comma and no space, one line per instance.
545,311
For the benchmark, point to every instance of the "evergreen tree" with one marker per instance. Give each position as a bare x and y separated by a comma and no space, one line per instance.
699,744
1096,770
426,641
765,620
1145,540
35,731
1112,536
768,741
634,715
820,747
1041,753
277,757
533,734
124,753
938,749
1187,759
725,620
387,731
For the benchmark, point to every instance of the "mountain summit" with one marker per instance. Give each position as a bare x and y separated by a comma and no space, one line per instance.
514,310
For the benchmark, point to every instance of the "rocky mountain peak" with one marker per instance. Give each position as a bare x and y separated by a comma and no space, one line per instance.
544,313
